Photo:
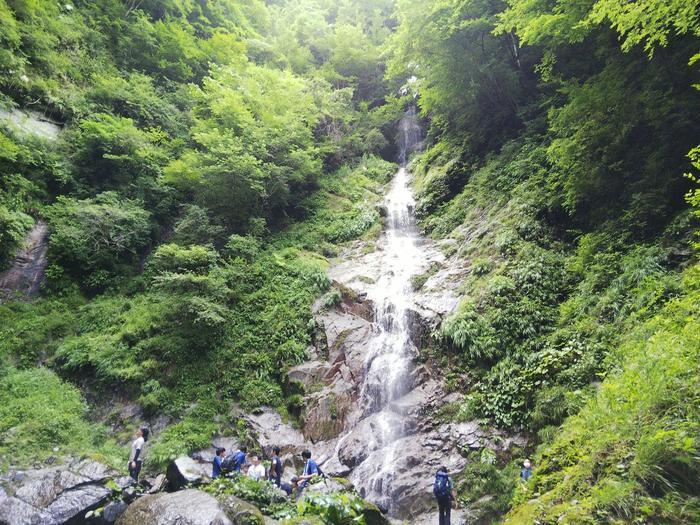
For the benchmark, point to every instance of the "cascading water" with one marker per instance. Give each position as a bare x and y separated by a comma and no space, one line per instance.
390,359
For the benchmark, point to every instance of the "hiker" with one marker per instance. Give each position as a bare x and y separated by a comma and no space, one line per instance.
526,471
291,488
256,470
234,461
276,467
310,469
442,489
138,452
216,464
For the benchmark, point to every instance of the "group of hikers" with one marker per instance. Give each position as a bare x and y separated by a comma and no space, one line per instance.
240,462
250,465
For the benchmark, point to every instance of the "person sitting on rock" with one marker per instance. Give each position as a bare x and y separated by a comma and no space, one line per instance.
216,464
310,469
276,467
291,488
138,452
256,470
526,471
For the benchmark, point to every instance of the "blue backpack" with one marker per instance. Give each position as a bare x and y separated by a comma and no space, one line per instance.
441,487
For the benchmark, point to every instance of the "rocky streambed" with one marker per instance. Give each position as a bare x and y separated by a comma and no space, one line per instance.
389,449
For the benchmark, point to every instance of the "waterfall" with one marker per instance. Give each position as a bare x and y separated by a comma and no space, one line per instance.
391,354
409,136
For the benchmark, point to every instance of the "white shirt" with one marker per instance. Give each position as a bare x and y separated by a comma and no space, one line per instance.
139,443
256,471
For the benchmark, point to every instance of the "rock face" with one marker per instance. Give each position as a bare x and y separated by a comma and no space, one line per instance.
26,272
30,123
185,507
61,494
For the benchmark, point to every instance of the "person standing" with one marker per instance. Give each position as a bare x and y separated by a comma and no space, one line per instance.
256,470
444,494
526,471
276,467
138,452
216,464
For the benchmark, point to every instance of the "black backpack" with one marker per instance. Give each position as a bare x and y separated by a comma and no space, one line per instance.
229,462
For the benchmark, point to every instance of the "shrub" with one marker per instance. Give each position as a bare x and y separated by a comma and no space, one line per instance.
100,236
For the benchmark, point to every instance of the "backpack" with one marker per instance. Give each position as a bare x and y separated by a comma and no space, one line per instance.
229,462
441,487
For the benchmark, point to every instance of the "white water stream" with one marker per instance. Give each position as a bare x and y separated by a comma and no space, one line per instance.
391,353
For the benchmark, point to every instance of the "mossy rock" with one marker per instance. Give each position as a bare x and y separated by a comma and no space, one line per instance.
374,516
241,512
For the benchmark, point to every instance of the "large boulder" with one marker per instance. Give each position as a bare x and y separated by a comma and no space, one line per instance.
185,471
59,494
185,507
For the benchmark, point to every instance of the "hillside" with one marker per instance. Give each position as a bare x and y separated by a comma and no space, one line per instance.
193,192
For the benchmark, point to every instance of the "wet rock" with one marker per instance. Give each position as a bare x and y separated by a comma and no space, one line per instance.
14,511
185,507
325,486
309,373
123,482
158,484
185,470
93,470
241,512
129,494
57,495
113,510
76,502
26,272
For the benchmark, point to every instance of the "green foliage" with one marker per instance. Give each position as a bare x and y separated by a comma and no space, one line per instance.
13,226
261,493
111,152
95,239
615,467
40,413
190,434
486,485
341,508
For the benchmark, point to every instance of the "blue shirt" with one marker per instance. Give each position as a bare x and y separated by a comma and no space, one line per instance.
240,460
526,473
216,467
309,468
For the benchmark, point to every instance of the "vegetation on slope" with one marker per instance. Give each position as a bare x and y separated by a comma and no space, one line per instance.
558,143
195,135
214,155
